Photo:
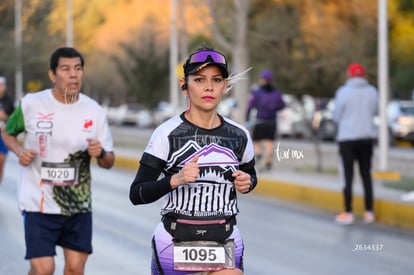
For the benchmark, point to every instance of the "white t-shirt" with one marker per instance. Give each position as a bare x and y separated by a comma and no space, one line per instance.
58,181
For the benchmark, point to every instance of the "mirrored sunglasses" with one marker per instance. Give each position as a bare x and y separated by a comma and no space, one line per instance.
202,56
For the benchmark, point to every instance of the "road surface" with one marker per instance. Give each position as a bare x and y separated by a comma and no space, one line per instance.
280,237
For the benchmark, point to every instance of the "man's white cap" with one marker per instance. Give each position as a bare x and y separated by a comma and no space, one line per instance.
3,80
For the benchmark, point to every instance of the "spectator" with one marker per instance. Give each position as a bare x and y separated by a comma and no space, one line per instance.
266,100
6,108
356,105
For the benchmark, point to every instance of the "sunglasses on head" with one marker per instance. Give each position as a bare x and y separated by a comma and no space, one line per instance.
202,56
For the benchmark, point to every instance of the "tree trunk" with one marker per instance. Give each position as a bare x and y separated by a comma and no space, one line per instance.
240,55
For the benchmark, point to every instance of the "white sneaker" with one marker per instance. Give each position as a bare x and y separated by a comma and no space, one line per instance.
369,217
408,196
344,218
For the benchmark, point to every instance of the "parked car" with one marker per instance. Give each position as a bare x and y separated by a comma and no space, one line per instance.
227,106
291,120
164,111
111,113
323,122
133,114
400,117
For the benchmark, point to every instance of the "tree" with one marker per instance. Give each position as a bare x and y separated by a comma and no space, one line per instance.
275,43
233,40
145,67
36,48
7,55
401,44
307,43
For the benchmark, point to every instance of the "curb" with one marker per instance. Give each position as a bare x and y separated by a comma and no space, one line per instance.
386,175
386,212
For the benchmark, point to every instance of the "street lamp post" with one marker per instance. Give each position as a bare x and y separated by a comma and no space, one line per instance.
383,87
69,23
383,84
173,55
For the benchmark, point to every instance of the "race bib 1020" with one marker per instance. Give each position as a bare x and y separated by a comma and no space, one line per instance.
60,174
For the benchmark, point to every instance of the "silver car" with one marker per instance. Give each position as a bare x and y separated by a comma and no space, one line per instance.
400,115
133,114
323,122
291,120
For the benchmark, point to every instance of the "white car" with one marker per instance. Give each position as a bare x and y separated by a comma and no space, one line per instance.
164,111
111,113
323,122
291,120
400,116
133,114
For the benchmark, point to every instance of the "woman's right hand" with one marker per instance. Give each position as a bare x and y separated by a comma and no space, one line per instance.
189,173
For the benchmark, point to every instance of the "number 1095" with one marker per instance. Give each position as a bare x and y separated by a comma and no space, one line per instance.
199,254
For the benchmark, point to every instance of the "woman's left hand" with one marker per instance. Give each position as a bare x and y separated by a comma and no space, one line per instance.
242,181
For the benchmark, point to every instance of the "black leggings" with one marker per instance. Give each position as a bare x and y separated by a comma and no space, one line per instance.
360,151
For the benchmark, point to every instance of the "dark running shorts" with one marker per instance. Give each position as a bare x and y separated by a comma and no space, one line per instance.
265,130
44,231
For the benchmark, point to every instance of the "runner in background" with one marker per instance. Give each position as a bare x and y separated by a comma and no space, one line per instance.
63,129
266,100
6,108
